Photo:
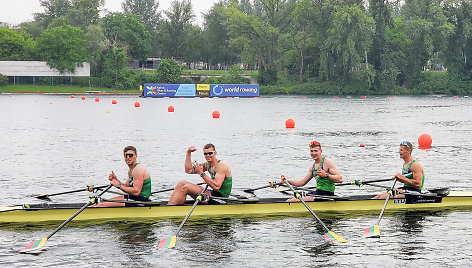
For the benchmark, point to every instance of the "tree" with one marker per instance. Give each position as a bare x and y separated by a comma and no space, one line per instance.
458,52
147,11
63,48
259,34
15,45
175,28
381,14
216,48
126,31
169,71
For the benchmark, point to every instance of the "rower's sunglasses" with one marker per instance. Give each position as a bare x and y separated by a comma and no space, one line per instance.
209,153
314,143
405,144
129,155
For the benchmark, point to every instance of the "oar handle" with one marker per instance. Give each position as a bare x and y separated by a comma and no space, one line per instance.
89,188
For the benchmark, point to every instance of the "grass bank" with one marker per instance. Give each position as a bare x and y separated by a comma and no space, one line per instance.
61,89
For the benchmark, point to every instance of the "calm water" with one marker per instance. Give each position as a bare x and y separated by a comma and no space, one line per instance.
54,143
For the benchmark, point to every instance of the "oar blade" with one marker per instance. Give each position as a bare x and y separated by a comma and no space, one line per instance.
332,236
34,246
167,242
372,231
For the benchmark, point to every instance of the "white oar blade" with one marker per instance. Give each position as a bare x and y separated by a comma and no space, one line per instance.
332,236
167,242
34,246
372,232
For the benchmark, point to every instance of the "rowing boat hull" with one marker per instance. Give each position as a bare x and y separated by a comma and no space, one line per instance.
20,214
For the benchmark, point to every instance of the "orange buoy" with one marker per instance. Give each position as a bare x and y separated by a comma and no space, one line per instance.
113,102
83,98
170,109
215,114
137,104
97,99
425,141
289,123
72,96
362,144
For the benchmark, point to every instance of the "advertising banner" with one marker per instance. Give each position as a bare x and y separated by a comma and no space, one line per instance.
169,90
227,90
203,90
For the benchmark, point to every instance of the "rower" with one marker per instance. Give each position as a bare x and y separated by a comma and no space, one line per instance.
219,178
412,174
138,185
325,172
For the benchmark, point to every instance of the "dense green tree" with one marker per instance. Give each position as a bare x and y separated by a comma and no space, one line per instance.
169,71
147,11
126,31
459,44
63,48
175,30
380,11
15,45
78,13
260,34
216,49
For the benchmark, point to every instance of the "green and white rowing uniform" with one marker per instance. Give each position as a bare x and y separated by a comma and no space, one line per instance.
406,186
225,189
323,183
146,189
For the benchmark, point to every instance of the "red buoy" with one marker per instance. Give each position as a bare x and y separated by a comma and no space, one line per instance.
335,97
424,141
362,144
137,104
170,109
289,123
113,102
97,99
216,114
83,98
72,96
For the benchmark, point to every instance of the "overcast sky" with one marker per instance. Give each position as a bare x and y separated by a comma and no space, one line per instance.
17,11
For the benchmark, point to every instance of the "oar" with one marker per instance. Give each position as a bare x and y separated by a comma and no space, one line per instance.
170,189
88,188
361,182
271,184
374,231
171,241
35,245
330,235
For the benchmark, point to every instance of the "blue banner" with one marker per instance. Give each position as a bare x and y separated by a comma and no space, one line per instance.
169,90
227,90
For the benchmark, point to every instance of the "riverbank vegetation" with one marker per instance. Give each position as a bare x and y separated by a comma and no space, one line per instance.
296,46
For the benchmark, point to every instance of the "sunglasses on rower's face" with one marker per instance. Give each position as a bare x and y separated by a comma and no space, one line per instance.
129,155
405,144
209,153
314,143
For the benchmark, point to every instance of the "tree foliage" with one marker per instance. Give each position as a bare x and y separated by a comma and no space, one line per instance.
63,48
15,45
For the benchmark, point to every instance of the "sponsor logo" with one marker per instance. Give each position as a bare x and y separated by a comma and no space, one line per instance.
399,201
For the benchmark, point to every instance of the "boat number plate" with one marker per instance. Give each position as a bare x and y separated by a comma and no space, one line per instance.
399,201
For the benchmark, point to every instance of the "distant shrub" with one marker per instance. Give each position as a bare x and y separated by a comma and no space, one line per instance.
3,80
